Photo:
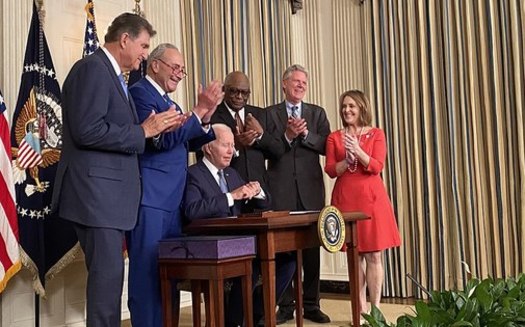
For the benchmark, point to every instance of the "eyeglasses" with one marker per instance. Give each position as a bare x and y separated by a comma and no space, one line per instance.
175,69
234,91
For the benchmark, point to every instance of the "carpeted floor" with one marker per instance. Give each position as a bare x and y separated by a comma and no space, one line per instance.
337,309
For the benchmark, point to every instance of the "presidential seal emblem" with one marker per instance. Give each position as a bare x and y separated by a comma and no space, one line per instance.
331,229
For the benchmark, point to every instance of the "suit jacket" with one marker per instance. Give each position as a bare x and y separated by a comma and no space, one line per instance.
295,173
251,160
164,163
98,181
204,198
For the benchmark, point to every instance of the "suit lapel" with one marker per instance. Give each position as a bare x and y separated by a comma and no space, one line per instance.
102,55
159,100
131,105
223,114
307,114
133,109
282,114
210,179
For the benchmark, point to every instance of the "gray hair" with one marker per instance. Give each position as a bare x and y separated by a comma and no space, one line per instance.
159,51
294,68
220,127
217,129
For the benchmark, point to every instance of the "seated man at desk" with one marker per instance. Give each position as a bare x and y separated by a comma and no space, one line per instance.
215,190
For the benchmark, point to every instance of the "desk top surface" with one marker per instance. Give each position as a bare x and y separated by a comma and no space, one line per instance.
266,221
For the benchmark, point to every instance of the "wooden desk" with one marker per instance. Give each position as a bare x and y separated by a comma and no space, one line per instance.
283,233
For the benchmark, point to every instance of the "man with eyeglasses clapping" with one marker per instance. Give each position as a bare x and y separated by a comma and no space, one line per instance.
163,169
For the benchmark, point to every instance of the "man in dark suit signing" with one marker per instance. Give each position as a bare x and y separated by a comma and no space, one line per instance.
296,178
248,124
97,184
216,190
163,167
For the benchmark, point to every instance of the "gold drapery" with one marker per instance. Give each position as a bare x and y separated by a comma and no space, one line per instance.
446,79
251,36
447,82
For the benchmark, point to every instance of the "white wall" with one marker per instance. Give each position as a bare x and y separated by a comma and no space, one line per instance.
64,28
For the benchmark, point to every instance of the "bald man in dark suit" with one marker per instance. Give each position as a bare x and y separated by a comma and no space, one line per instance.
248,124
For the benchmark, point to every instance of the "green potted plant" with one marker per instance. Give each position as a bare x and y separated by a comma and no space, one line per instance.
489,302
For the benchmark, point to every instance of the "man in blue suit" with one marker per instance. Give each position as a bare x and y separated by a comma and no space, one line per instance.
163,167
216,190
97,184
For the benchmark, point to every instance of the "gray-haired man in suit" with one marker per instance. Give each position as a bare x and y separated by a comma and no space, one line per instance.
97,184
296,178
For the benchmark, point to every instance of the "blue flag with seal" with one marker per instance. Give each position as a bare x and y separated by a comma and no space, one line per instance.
47,243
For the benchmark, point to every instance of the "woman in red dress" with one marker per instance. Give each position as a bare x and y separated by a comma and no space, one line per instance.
355,156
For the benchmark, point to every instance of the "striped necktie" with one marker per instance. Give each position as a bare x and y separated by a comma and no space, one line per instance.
238,122
295,112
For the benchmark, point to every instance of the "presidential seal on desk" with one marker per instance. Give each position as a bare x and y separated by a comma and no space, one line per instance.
331,229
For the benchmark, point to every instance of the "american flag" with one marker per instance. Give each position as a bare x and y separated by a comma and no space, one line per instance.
90,36
9,252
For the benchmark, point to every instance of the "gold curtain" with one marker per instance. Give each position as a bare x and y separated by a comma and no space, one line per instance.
251,36
446,79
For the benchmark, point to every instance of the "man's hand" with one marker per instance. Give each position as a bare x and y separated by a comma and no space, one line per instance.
185,117
295,127
247,191
208,99
247,138
158,123
251,123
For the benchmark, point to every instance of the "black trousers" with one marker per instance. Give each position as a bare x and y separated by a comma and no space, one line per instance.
311,283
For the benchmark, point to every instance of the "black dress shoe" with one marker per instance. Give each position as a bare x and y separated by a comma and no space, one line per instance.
317,316
283,316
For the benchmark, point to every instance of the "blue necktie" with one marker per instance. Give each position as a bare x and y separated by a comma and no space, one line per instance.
123,84
170,102
222,181
167,98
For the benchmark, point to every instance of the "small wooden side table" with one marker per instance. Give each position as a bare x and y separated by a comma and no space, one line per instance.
206,275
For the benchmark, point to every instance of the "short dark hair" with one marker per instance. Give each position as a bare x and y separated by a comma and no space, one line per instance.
365,109
128,23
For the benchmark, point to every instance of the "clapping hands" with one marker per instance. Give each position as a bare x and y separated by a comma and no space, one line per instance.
208,99
352,146
247,191
296,127
252,130
166,121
